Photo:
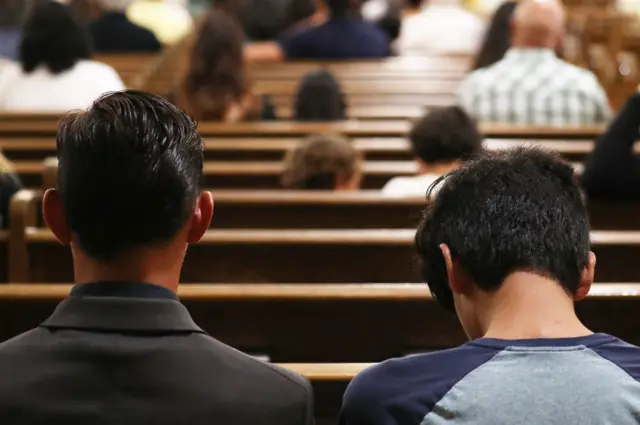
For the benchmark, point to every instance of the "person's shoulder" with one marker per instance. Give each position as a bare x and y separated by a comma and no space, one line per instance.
409,186
580,77
261,373
621,353
411,383
101,73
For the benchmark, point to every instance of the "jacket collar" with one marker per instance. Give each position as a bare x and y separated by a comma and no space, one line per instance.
128,314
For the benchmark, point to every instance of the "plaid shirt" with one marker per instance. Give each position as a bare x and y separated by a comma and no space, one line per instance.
534,87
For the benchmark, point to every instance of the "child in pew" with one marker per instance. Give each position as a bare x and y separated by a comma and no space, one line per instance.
320,98
323,162
440,142
505,245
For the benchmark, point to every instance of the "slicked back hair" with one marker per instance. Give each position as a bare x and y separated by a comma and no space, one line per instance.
517,210
129,172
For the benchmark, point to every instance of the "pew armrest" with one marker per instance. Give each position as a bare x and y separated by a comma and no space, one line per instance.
24,213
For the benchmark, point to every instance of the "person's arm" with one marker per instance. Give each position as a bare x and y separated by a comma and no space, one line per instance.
612,170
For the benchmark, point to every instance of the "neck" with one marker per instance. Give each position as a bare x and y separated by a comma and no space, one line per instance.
529,306
438,168
158,266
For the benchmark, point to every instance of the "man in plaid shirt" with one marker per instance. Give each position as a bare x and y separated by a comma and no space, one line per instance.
530,85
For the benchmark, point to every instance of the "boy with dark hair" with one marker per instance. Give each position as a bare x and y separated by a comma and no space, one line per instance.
440,142
505,244
122,349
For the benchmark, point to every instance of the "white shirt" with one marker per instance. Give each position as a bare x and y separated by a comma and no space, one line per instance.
409,186
534,87
43,91
442,26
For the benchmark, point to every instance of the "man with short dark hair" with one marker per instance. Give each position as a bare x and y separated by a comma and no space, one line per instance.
505,244
440,142
122,349
345,35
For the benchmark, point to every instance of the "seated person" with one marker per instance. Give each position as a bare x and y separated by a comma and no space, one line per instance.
214,86
169,20
319,98
114,32
55,73
121,348
323,162
10,184
345,35
440,142
612,170
496,41
441,27
530,85
505,245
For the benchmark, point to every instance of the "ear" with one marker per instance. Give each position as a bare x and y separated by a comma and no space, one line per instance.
201,218
457,278
53,213
586,278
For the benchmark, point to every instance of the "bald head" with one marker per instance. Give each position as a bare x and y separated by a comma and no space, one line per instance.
538,23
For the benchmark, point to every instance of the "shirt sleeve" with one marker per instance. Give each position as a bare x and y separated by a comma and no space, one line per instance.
601,101
612,170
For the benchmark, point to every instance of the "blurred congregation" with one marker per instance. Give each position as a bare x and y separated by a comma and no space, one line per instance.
354,212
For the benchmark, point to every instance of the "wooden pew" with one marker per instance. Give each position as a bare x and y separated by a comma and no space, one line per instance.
132,67
305,323
271,149
326,322
294,255
34,126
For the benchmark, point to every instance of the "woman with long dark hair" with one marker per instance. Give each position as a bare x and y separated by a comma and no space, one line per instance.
215,86
497,39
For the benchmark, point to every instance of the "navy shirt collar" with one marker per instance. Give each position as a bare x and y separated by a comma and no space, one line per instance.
123,290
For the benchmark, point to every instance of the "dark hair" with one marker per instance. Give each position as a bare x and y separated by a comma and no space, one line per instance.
339,7
497,39
54,38
391,21
445,134
319,98
317,162
215,79
414,3
129,172
299,10
516,210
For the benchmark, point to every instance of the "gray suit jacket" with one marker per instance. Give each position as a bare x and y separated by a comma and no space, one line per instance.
134,361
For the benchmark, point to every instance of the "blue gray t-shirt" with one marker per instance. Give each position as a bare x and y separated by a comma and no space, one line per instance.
588,380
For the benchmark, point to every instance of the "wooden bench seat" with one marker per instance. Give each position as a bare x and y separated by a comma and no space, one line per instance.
12,126
325,322
298,255
271,149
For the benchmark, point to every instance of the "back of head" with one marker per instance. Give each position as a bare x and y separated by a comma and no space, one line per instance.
517,210
339,7
538,23
498,37
115,5
215,76
321,162
319,98
129,173
445,135
53,38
